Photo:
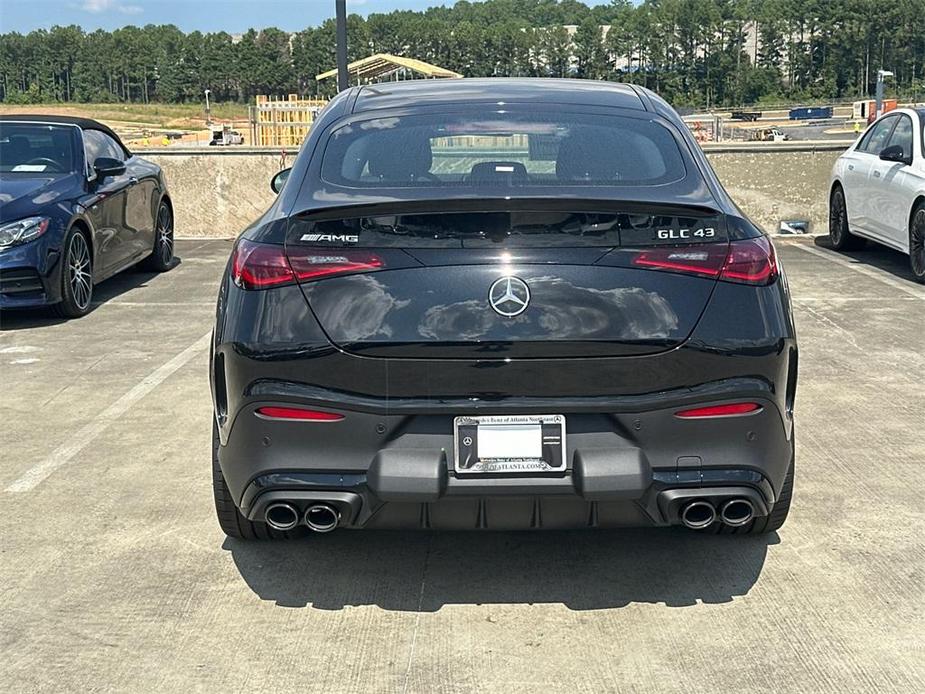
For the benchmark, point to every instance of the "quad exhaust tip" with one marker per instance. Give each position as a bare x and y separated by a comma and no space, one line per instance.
737,512
698,515
322,518
281,516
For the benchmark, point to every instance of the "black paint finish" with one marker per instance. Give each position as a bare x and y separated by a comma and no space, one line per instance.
402,350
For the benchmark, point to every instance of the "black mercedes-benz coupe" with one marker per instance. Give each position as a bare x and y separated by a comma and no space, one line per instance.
76,207
502,304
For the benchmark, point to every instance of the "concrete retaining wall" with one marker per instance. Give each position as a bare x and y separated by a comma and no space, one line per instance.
217,193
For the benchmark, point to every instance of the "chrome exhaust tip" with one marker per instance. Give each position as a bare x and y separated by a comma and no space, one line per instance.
737,512
281,516
322,518
698,515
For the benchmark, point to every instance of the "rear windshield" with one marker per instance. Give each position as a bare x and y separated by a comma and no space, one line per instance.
32,148
502,150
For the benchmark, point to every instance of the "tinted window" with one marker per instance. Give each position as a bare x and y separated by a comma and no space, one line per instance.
99,144
902,135
33,148
875,140
504,149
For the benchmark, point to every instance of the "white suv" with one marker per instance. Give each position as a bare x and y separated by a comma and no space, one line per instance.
878,188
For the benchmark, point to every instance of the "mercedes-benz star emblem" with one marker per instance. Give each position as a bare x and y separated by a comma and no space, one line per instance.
509,296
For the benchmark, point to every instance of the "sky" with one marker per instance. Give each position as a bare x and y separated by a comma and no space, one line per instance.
233,16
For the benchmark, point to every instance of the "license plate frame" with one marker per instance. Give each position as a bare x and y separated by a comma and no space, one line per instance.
552,457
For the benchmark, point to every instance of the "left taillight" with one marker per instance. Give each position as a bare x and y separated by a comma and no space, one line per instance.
264,265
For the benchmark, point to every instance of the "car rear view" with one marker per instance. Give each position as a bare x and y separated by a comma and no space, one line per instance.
502,304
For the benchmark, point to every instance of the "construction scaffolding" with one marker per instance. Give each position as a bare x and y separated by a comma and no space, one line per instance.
279,122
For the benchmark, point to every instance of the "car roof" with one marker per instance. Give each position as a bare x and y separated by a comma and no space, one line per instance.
83,123
469,90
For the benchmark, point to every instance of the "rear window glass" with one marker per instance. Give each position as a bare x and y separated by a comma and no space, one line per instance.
502,150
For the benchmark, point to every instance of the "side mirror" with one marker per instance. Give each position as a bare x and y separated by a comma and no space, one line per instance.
279,180
894,153
107,166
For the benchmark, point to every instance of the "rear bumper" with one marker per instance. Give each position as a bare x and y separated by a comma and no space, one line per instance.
503,504
397,471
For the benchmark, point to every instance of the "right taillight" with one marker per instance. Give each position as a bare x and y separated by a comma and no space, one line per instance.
749,261
264,265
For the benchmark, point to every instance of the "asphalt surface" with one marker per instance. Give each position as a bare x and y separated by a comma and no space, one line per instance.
115,577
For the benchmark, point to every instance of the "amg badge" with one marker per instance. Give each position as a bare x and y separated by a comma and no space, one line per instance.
331,238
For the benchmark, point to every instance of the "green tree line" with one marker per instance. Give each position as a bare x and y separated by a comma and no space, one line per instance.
694,52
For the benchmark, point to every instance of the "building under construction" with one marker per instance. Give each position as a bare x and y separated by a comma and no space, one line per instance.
284,122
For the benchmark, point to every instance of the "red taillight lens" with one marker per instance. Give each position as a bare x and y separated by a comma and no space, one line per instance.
263,265
705,260
751,261
312,264
260,265
299,414
732,410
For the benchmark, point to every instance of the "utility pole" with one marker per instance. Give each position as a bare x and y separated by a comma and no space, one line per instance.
881,76
208,110
343,80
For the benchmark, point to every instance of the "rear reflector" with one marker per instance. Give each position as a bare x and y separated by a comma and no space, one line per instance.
749,261
299,414
263,265
732,410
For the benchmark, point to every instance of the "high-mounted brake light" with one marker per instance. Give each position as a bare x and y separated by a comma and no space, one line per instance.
748,261
731,410
263,265
298,414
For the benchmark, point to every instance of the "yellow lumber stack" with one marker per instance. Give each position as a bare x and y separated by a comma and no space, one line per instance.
284,122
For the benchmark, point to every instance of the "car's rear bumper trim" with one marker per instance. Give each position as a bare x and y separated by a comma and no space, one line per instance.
270,390
650,496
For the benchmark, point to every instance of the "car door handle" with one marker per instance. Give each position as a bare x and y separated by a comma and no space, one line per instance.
876,174
850,167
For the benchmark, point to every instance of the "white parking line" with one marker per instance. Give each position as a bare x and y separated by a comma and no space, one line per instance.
64,453
864,270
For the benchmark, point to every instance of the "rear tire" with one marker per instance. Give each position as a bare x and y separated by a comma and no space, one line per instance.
840,234
76,276
917,243
161,258
765,524
232,522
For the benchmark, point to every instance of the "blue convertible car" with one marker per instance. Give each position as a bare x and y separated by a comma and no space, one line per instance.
76,207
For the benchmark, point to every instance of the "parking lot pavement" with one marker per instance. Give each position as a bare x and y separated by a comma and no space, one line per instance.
115,576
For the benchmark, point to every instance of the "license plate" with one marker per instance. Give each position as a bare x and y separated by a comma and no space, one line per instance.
510,443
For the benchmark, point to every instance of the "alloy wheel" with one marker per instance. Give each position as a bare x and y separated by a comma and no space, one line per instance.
837,218
164,235
917,243
78,271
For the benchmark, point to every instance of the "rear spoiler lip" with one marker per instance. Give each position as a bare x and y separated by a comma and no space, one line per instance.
503,204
